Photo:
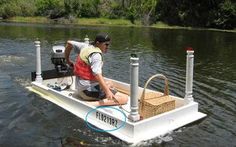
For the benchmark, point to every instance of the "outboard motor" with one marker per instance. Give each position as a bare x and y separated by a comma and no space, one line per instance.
58,59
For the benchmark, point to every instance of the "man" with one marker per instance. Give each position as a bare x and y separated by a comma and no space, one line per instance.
90,82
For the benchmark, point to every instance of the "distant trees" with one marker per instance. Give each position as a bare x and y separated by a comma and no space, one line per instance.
198,13
50,8
226,16
9,8
141,9
201,13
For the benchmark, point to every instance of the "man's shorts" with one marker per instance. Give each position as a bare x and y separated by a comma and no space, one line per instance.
94,94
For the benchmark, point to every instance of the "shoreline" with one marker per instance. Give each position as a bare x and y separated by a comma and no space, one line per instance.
101,22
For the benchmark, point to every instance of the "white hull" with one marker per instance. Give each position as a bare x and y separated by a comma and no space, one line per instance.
132,132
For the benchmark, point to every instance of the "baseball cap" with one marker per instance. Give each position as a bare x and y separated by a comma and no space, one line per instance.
102,37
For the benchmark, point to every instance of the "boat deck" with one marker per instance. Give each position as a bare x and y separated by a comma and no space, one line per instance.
114,120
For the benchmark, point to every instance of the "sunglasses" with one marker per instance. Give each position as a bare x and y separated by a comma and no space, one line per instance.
107,44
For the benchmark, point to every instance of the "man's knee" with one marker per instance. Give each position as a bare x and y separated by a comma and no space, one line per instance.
122,98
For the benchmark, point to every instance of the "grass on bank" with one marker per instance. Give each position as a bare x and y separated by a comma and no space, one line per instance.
78,21
84,21
36,19
88,21
101,21
106,21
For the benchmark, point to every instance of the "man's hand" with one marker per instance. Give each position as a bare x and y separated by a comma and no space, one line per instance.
71,64
109,94
105,87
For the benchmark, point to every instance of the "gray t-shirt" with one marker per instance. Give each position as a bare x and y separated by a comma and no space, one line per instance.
95,61
77,46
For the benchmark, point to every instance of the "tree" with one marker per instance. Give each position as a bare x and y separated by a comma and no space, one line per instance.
141,9
72,7
89,8
147,8
200,13
226,16
51,8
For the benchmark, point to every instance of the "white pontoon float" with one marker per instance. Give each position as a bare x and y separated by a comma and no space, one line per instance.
123,122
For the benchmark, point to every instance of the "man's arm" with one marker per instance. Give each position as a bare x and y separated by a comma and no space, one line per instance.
76,46
67,53
96,65
104,86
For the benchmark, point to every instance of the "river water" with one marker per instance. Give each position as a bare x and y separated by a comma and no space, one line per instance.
28,120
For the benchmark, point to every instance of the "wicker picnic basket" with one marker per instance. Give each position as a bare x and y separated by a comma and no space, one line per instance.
153,103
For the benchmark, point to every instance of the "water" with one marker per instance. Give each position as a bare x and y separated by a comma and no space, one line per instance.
28,120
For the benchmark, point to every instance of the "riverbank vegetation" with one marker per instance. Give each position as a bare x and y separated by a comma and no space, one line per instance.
220,14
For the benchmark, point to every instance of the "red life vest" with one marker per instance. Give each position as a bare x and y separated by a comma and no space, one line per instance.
83,70
81,67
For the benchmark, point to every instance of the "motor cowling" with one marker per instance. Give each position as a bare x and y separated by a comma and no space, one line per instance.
58,59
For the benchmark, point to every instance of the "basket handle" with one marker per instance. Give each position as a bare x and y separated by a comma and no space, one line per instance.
166,90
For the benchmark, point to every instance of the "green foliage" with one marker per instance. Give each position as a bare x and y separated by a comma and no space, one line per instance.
116,10
50,8
196,13
72,7
4,2
9,9
227,15
147,11
17,8
27,7
82,8
131,14
89,8
201,13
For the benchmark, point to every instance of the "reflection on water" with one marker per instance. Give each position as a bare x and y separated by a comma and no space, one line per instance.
28,120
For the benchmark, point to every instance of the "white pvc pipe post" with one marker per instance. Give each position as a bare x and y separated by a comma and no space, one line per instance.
189,76
86,39
134,114
39,78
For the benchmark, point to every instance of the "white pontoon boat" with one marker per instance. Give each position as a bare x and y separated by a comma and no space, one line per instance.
124,122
